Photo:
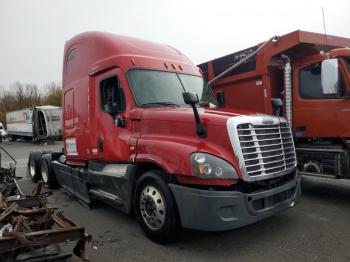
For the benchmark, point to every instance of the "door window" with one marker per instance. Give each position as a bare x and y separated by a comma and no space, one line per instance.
310,83
69,109
112,95
69,59
347,60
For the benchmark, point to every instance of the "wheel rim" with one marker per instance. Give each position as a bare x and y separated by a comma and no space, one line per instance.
44,172
152,207
32,168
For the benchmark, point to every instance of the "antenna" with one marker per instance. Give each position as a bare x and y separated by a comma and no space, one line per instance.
324,28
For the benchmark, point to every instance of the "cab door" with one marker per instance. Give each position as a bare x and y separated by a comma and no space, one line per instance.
109,118
316,114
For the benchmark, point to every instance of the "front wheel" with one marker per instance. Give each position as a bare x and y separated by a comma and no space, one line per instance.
155,207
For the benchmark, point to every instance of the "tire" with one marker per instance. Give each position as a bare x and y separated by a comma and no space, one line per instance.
155,207
33,166
47,173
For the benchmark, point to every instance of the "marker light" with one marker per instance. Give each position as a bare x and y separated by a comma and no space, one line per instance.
201,170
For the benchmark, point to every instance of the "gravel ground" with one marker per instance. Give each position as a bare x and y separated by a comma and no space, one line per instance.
316,229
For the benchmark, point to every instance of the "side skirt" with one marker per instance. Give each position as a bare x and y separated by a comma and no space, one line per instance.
111,183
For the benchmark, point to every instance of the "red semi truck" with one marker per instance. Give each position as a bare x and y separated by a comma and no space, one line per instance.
303,76
143,132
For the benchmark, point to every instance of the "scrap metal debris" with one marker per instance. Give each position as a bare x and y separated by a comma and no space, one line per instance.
6,229
28,228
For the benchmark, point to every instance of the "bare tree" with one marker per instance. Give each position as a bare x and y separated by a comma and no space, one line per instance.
20,96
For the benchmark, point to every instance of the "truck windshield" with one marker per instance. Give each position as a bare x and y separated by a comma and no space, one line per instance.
160,88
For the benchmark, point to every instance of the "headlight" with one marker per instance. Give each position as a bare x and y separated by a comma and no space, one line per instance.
209,166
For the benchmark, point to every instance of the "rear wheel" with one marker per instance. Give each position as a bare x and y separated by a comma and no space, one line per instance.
47,173
33,167
155,207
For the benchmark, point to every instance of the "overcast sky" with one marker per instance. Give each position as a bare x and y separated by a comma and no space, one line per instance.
33,32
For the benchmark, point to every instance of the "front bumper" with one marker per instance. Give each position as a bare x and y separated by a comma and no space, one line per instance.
224,210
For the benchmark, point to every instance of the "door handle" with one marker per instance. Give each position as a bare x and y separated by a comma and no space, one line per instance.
100,144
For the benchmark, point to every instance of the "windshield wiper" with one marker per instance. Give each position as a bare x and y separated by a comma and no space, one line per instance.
159,104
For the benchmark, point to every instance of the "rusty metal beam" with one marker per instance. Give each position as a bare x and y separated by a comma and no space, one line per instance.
39,238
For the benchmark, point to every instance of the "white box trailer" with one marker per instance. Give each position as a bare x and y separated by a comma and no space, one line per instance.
38,123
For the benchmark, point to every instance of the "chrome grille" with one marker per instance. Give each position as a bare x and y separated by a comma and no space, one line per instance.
267,149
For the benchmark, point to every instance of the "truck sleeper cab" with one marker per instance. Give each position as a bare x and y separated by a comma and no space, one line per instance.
142,131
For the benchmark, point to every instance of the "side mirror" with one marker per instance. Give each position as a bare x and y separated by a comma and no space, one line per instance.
330,77
220,97
190,98
276,102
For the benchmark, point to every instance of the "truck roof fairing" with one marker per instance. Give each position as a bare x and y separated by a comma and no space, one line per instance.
94,52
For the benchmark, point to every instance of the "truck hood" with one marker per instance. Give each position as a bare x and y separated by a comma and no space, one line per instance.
168,137
185,114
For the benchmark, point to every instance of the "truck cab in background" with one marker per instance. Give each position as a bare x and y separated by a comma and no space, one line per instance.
143,132
315,101
321,111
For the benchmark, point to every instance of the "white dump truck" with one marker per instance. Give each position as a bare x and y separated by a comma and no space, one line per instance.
37,123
